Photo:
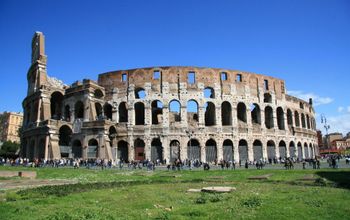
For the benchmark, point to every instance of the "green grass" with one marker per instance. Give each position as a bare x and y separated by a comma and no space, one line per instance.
113,194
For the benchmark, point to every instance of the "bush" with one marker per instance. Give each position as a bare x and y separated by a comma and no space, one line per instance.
252,202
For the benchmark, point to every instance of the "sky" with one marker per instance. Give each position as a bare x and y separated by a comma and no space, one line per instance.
304,42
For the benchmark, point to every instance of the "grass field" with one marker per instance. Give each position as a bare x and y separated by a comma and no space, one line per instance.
113,194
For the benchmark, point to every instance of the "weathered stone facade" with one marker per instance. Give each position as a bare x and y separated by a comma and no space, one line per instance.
164,113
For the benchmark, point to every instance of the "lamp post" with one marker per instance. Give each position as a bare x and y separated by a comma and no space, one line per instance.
327,127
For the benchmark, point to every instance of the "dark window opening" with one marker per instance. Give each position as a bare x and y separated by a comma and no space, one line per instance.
266,85
123,112
139,113
280,118
210,114
107,108
255,113
157,112
269,117
56,105
267,98
242,112
226,114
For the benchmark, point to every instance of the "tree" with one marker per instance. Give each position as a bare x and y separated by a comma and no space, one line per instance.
9,149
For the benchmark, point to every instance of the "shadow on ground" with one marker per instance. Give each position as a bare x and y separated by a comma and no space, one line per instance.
340,178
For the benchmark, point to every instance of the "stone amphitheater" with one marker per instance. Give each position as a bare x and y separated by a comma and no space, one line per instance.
164,113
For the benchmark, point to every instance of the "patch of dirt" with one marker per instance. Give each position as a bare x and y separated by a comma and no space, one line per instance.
31,183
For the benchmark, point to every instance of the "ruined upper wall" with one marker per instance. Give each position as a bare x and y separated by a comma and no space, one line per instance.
208,77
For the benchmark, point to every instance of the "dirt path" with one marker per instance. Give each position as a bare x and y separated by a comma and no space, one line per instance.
31,183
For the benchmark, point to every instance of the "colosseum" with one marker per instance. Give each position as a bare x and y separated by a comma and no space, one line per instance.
164,113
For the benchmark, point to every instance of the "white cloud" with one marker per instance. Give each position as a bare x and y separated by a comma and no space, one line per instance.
340,123
348,109
340,109
317,100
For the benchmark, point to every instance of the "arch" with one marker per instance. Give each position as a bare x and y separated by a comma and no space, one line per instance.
157,112
300,151
306,151
139,113
98,94
56,105
65,133
122,151
292,150
41,149
174,111
112,133
193,150
210,114
242,112
77,150
156,150
107,109
123,112
67,113
255,113
296,119
289,117
271,150
210,151
139,146
228,150
308,122
282,149
269,117
257,150
303,120
192,112
140,93
267,98
209,93
92,151
174,150
243,150
226,113
280,118
311,150
79,110
98,108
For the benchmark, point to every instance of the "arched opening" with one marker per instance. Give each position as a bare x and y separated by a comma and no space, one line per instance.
139,113
300,151
156,150
174,111
267,98
41,149
98,108
226,114
112,134
123,112
280,118
139,146
157,112
122,151
107,109
79,110
282,149
306,151
174,150
98,94
243,150
67,113
228,150
56,105
255,113
289,118
192,113
311,150
210,151
303,120
268,117
257,150
296,119
271,150
292,150
242,112
209,93
65,135
92,151
308,121
140,93
77,149
210,115
193,150
31,150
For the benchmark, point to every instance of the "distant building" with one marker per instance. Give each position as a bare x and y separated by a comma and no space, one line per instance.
320,139
10,122
330,138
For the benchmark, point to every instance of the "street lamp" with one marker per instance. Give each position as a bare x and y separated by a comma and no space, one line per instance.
326,126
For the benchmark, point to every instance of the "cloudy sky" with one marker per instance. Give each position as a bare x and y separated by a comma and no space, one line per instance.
304,42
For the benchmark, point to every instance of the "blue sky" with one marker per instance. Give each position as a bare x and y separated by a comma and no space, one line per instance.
305,42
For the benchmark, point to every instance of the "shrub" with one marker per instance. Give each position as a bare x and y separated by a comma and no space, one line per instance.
252,202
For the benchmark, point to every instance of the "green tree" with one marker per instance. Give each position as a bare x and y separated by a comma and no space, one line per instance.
9,149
